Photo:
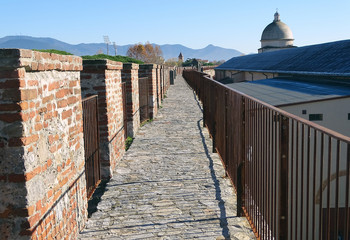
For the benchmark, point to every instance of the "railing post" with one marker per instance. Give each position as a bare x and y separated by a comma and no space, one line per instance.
241,166
214,119
226,160
284,176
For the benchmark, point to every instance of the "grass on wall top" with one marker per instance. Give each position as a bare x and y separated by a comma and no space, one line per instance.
53,51
118,58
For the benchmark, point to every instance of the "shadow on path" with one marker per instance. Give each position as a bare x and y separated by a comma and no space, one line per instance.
96,197
221,202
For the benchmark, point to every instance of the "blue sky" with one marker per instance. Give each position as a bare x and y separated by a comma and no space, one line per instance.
234,24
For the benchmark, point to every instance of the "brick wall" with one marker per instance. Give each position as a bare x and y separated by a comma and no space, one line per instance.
166,79
130,77
42,180
103,77
150,71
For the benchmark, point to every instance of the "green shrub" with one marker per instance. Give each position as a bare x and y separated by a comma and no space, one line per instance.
145,122
128,143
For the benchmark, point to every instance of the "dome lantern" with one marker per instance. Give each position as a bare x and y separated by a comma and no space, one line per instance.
277,17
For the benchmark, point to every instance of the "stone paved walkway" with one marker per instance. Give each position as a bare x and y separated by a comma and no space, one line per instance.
169,185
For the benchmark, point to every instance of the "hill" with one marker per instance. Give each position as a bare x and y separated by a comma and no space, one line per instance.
210,52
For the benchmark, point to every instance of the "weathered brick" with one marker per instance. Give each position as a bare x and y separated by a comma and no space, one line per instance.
29,94
62,103
53,86
61,93
47,99
66,114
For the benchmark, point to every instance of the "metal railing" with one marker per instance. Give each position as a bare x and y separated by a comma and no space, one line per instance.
144,98
292,176
91,143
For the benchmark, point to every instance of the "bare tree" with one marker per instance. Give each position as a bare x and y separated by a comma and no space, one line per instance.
146,53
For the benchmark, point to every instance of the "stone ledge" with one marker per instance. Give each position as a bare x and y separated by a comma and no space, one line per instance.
38,61
148,66
101,64
130,66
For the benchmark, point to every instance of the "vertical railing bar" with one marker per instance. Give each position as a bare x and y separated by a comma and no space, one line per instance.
283,177
256,189
275,174
302,181
270,175
337,191
248,169
251,166
291,177
267,168
260,170
314,186
296,177
321,183
264,172
259,185
329,186
251,130
307,180
347,207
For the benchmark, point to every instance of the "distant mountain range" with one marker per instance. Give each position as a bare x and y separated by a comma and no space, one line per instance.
210,52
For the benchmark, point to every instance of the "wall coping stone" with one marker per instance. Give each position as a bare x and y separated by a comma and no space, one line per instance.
12,58
129,66
102,64
148,66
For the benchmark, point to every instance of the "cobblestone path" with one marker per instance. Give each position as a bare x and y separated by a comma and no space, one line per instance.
169,185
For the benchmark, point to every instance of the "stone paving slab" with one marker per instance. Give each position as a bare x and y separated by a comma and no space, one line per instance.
169,185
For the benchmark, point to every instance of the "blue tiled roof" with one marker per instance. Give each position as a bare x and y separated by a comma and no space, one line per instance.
279,91
331,59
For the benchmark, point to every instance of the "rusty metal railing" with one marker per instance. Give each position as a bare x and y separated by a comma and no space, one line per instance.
91,143
292,176
144,99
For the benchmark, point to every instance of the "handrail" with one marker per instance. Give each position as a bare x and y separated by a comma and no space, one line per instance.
286,114
292,176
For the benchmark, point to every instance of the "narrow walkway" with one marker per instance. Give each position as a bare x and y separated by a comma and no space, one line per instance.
169,185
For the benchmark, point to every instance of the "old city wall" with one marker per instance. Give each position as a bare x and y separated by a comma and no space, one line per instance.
150,71
42,163
42,179
130,76
103,78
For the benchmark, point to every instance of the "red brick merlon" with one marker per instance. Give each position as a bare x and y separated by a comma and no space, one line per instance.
38,61
101,64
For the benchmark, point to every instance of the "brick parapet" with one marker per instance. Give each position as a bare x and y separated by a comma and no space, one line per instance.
38,61
130,77
41,145
131,66
103,78
150,71
101,64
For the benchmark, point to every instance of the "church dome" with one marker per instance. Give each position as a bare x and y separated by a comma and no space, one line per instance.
276,36
277,30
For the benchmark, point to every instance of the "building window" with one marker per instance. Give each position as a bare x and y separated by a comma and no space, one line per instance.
303,112
348,116
316,117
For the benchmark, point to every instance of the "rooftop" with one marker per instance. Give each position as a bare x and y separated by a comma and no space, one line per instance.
329,59
281,91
